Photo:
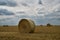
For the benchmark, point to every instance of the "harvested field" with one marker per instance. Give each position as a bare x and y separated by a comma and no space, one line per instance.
40,33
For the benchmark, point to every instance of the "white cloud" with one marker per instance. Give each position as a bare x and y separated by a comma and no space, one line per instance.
3,17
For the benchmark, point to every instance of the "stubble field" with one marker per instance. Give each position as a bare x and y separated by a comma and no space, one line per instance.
40,33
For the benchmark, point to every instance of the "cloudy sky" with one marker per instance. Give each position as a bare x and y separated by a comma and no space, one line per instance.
40,11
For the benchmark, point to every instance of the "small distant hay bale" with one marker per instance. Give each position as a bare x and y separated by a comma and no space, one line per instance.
26,26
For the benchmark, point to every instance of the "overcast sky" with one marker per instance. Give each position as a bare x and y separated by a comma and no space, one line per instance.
40,11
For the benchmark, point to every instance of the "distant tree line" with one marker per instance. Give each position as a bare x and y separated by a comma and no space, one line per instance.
5,25
48,25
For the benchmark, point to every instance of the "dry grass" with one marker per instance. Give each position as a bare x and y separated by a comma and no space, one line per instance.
17,36
45,29
9,29
41,33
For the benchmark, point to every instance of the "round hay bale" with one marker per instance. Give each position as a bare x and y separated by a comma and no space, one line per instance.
26,26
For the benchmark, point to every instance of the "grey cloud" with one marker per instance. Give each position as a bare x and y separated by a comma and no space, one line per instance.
5,12
8,3
24,4
54,14
28,2
51,2
53,18
40,2
9,21
23,16
21,12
